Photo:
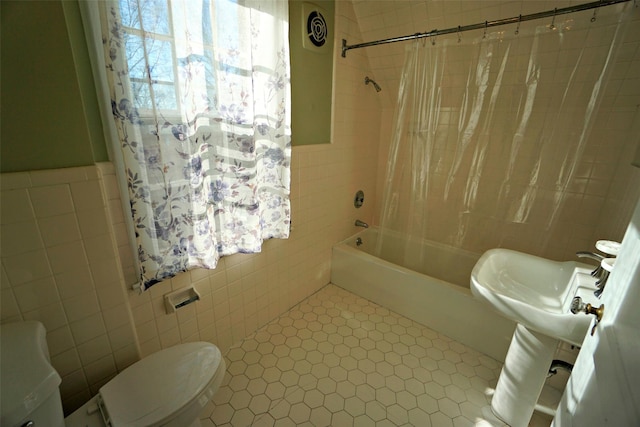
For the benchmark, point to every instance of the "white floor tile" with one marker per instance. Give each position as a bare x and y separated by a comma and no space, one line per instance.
337,359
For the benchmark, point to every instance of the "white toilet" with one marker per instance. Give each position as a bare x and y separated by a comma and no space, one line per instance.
167,388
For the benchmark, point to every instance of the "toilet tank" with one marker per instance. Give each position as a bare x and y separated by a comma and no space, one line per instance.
28,383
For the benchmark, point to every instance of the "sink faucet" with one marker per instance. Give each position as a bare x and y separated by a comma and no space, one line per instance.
596,257
599,273
591,255
361,224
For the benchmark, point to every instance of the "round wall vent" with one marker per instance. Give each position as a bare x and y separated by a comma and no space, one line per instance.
317,30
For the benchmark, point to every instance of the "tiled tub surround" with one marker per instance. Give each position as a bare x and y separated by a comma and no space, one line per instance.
337,359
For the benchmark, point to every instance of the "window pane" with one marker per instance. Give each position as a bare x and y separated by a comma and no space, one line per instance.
165,96
160,60
129,13
155,16
227,21
141,94
135,56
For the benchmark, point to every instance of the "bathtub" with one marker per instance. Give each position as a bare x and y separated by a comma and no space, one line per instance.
432,288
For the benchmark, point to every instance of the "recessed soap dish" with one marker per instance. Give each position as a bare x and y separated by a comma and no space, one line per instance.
176,299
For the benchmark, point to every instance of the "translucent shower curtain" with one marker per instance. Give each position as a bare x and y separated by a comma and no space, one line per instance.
489,132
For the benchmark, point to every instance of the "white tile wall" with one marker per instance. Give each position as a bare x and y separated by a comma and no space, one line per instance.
59,267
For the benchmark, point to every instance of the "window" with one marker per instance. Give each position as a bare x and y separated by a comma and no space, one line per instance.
201,103
159,65
150,53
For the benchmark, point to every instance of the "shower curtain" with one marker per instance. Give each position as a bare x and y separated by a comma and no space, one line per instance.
488,133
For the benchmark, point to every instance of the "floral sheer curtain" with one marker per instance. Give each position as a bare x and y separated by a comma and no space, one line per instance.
201,101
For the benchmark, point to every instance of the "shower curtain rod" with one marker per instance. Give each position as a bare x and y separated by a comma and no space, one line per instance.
485,24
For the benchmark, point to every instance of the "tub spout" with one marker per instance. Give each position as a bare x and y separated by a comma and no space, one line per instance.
361,224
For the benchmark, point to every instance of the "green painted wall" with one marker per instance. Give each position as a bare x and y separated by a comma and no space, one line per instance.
311,78
49,114
44,120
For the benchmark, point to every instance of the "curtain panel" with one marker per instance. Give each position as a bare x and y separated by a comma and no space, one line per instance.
200,97
489,133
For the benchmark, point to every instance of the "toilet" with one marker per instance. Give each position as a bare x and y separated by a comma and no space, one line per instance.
167,388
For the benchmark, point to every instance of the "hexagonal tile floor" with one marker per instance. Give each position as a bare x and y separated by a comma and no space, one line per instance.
337,359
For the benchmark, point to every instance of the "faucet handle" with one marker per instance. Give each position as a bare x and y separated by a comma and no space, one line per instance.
608,247
607,264
598,272
602,280
577,305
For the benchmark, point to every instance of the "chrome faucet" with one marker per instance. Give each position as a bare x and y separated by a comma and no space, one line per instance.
361,224
591,255
599,273
594,256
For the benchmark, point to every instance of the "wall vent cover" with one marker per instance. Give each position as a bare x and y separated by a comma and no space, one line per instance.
315,28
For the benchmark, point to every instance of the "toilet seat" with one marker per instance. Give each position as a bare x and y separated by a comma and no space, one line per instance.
163,387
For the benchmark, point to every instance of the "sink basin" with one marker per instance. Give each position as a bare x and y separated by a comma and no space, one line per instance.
536,292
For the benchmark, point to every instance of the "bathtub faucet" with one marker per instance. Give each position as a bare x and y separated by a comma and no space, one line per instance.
361,224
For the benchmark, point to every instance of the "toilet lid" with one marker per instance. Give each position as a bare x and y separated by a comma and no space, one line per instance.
159,386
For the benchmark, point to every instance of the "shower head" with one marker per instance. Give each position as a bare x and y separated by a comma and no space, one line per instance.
367,80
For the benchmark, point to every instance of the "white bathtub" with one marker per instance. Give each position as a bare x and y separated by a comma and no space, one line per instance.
432,288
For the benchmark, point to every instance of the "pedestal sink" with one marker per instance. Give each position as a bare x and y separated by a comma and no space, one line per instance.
536,293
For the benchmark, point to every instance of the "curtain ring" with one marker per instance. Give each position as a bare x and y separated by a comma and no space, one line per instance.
459,37
517,31
433,40
553,20
484,36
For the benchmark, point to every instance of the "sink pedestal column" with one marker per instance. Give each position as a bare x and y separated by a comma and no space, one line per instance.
523,375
